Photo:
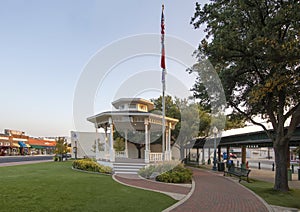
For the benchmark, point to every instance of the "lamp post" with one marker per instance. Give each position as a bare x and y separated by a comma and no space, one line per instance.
75,150
215,132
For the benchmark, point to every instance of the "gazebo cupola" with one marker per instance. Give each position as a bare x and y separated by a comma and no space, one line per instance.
133,104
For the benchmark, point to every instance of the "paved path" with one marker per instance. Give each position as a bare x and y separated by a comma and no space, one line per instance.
176,191
212,192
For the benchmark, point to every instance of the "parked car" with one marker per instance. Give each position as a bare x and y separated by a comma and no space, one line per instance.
232,155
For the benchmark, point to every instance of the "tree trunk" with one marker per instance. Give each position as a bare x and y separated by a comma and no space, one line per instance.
281,158
139,153
181,153
139,148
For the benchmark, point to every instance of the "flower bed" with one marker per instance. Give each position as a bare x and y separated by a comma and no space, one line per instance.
88,164
167,172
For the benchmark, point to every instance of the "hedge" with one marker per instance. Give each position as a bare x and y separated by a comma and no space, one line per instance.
167,172
88,164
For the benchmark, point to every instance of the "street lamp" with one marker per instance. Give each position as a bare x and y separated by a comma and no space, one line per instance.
75,150
215,132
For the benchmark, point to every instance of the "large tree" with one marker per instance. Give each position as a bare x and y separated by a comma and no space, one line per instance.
255,48
61,147
194,120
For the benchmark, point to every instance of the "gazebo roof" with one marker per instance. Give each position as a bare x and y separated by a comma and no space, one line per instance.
122,101
128,119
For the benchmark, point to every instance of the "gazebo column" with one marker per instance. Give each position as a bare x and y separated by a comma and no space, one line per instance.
126,144
147,142
169,143
106,138
97,156
111,141
203,159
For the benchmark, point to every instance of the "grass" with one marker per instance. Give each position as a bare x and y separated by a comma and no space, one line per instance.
265,190
54,186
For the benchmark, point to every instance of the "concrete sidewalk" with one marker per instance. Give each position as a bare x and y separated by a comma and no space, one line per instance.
23,162
268,176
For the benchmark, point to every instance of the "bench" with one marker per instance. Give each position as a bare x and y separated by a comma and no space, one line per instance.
239,172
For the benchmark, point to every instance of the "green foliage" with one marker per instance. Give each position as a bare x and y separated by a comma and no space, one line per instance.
119,144
235,120
157,168
55,187
172,110
255,48
264,190
179,174
61,145
91,165
147,171
190,122
167,172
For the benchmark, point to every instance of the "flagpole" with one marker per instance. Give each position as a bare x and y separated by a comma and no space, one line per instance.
163,66
163,121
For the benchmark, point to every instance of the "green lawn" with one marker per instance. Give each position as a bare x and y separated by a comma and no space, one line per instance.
265,190
54,186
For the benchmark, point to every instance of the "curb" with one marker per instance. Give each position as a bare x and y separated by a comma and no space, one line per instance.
183,200
187,185
163,192
257,196
90,172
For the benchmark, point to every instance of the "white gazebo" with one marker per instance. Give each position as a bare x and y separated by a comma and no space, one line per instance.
132,115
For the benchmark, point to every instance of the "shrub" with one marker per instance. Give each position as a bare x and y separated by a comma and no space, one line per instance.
88,164
179,174
167,172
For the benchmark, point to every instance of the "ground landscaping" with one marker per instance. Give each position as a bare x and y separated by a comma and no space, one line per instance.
265,190
55,186
168,173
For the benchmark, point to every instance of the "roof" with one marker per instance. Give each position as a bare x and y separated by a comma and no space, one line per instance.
104,115
40,142
122,101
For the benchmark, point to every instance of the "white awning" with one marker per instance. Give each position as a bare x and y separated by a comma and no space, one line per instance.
20,139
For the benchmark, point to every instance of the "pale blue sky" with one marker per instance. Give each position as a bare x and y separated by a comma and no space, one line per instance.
45,45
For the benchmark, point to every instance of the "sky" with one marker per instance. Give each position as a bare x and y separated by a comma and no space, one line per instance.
46,46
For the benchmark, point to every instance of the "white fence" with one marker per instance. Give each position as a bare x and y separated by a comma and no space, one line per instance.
155,157
121,154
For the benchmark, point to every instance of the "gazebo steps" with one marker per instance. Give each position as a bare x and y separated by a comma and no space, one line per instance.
127,168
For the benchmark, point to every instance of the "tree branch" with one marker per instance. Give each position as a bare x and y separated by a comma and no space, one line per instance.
248,117
295,121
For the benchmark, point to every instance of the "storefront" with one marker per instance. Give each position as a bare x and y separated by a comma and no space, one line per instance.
41,147
4,146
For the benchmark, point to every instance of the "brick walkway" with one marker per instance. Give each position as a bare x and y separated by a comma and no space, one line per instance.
212,193
176,190
218,193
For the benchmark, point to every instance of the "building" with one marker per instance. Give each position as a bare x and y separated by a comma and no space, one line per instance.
140,129
14,142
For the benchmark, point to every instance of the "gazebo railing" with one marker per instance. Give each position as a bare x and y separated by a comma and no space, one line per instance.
155,156
120,154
